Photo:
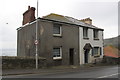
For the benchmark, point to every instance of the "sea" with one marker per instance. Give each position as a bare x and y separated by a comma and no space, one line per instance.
8,52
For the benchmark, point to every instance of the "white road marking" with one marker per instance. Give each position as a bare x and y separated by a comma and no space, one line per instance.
109,75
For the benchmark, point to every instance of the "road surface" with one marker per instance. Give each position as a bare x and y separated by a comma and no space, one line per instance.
96,73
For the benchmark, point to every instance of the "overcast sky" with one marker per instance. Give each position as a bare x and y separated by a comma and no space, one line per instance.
104,14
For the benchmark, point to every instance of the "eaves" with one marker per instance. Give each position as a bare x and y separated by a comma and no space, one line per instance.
60,22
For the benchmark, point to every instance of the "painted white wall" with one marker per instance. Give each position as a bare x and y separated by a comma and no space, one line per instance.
82,42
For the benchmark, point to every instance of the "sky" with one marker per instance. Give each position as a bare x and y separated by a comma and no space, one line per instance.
104,14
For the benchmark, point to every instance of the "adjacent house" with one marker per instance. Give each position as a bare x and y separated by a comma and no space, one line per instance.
62,40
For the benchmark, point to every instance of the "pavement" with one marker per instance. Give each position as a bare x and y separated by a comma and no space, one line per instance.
52,70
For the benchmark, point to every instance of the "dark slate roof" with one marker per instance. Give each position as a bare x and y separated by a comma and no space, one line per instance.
66,19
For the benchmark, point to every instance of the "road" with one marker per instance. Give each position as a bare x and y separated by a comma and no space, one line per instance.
96,73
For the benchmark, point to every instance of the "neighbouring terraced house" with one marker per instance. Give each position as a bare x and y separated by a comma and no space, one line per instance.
62,40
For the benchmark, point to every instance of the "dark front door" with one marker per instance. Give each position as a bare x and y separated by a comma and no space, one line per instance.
86,56
71,56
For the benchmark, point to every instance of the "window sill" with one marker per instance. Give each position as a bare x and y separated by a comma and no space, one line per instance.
57,35
57,58
86,38
96,39
96,56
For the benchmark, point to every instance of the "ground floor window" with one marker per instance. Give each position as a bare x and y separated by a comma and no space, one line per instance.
96,51
57,53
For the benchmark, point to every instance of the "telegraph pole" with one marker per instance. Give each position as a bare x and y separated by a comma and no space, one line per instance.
36,41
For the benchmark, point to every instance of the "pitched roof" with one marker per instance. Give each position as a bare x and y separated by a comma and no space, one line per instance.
67,19
111,51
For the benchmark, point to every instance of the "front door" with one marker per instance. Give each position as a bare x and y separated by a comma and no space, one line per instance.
86,56
71,56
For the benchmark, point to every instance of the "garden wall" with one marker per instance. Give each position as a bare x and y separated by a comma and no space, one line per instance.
22,62
111,60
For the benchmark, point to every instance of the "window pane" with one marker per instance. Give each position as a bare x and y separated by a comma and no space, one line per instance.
95,50
56,52
95,33
85,32
56,29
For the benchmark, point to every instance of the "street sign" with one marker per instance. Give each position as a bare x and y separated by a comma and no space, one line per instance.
36,42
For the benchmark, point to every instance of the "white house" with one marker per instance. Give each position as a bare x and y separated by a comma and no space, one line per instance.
92,39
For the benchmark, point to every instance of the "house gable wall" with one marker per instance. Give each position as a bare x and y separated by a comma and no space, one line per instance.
69,39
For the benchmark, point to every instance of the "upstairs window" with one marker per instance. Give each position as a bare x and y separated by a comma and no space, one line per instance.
95,34
57,30
57,53
85,33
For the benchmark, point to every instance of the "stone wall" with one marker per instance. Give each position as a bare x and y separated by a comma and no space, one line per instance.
110,60
22,62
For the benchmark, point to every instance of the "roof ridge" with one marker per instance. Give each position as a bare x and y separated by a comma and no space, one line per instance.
68,19
80,21
52,14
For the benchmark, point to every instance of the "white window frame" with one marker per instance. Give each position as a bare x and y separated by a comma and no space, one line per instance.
60,53
98,54
86,33
95,30
60,32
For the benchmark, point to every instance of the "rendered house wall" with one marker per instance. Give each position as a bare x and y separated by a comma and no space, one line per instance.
69,39
94,43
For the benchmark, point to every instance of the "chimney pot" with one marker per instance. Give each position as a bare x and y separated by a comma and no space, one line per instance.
28,7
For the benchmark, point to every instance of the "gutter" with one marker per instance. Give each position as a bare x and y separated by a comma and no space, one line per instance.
69,23
56,22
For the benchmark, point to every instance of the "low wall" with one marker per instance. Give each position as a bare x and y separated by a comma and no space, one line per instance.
111,60
22,62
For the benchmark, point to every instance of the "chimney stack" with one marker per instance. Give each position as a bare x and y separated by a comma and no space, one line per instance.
29,15
87,20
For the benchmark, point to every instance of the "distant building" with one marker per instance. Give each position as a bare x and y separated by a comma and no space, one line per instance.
62,40
111,51
111,55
